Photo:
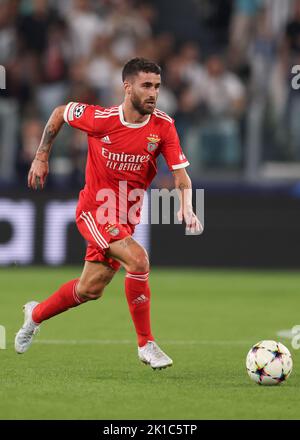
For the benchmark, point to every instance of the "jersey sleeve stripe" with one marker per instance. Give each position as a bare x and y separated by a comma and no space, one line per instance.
108,110
163,117
162,113
104,113
158,112
106,116
180,165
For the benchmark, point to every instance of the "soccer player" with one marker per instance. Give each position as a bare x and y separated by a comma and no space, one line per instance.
123,144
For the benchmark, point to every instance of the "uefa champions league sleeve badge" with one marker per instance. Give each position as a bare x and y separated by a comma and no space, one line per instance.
79,109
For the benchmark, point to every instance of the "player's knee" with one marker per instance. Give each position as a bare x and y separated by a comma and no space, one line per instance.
92,288
140,263
90,293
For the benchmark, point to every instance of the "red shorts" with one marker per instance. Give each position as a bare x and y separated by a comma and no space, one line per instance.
100,236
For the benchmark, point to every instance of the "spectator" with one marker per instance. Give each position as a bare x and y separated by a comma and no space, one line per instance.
217,105
165,46
100,69
241,32
8,102
8,37
290,55
51,90
129,27
85,25
33,27
55,51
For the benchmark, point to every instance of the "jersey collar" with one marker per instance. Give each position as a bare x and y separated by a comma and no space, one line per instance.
129,124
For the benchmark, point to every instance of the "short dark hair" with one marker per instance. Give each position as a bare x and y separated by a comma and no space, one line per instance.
136,65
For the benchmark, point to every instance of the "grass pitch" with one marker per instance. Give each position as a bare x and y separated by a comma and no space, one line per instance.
83,364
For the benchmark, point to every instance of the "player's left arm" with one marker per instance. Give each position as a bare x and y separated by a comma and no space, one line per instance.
183,185
177,162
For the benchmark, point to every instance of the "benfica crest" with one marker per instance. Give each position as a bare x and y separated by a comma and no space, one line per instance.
153,142
112,229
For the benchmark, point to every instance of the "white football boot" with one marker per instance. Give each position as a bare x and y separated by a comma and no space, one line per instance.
24,337
152,355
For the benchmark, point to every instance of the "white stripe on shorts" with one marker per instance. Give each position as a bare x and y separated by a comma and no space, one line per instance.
93,231
94,223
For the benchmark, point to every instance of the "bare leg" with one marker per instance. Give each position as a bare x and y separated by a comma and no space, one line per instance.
130,254
95,276
90,286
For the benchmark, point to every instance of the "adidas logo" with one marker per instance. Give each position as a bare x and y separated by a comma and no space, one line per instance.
106,140
140,299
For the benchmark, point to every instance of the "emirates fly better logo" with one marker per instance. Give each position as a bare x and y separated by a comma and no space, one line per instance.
124,161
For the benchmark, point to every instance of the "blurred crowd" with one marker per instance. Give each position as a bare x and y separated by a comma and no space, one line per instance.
224,62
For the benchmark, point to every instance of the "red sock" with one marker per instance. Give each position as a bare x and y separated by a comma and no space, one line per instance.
60,301
138,298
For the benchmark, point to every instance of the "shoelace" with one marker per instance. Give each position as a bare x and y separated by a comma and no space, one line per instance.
156,351
32,330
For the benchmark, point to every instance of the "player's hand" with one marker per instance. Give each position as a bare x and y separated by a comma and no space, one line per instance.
193,224
37,174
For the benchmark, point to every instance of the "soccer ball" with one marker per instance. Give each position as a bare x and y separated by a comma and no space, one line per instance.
269,363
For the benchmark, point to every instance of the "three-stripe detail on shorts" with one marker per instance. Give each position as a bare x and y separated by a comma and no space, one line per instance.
92,227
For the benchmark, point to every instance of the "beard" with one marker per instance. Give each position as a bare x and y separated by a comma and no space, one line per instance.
141,107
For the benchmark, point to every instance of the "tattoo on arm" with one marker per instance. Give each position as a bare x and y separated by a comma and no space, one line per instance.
184,189
47,139
51,130
183,186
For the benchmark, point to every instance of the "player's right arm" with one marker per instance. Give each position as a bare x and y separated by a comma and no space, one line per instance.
40,168
75,114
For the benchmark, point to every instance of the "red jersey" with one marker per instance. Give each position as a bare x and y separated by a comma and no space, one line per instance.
119,151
